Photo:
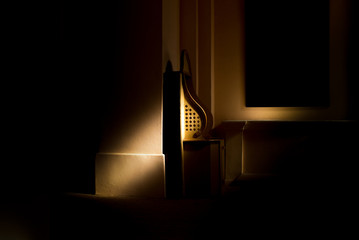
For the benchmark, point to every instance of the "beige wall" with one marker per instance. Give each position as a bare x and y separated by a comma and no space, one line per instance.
139,175
212,31
133,121
229,70
228,96
171,34
196,36
130,160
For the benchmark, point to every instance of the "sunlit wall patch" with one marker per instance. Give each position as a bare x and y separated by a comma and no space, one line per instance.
125,174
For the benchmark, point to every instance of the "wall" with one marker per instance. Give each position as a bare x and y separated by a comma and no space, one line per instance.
88,87
131,137
228,94
229,69
196,36
86,79
87,90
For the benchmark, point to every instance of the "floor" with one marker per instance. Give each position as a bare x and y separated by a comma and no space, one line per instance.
243,211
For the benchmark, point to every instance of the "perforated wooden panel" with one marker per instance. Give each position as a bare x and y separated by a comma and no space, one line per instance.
192,121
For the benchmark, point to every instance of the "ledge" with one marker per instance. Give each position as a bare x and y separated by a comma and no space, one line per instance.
281,125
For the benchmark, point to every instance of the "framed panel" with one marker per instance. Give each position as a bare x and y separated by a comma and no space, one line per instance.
287,53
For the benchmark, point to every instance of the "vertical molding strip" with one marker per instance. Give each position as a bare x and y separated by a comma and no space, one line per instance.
197,51
212,107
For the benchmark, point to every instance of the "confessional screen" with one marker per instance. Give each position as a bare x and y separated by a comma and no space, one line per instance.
287,53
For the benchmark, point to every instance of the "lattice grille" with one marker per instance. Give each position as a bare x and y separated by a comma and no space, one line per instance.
192,120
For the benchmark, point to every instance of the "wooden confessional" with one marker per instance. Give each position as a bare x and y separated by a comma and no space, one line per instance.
194,160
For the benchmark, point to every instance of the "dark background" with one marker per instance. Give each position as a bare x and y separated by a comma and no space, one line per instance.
287,53
62,59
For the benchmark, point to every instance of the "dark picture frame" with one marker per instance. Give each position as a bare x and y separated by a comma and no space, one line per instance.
287,53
